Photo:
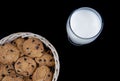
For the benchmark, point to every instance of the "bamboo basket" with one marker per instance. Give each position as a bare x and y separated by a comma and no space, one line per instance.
44,40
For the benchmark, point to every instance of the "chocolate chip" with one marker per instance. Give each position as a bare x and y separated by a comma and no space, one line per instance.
3,44
13,42
37,47
25,59
48,75
51,60
18,63
33,58
33,66
27,73
37,65
29,53
3,57
6,66
40,60
9,72
42,51
13,63
30,77
3,75
49,52
17,76
18,70
24,55
44,60
33,40
11,50
27,48
26,38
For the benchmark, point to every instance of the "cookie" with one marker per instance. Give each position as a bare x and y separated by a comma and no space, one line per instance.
5,70
49,77
19,44
10,78
8,53
40,73
25,66
33,47
46,59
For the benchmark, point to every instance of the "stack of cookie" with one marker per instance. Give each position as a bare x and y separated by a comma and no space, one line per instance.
26,59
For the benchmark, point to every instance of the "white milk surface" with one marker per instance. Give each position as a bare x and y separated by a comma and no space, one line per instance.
85,23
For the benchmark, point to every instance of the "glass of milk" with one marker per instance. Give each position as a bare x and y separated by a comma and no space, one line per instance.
83,26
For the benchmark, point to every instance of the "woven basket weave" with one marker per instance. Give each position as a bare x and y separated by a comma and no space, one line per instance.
45,41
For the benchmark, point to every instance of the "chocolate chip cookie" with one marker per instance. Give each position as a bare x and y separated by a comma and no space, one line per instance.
25,66
33,47
8,53
40,73
19,44
45,59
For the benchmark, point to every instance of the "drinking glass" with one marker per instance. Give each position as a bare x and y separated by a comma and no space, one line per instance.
83,26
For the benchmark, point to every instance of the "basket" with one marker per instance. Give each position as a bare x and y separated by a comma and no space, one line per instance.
45,41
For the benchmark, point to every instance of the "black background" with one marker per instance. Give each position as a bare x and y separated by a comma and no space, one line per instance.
93,61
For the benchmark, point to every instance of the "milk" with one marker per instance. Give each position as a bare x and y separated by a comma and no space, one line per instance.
84,25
